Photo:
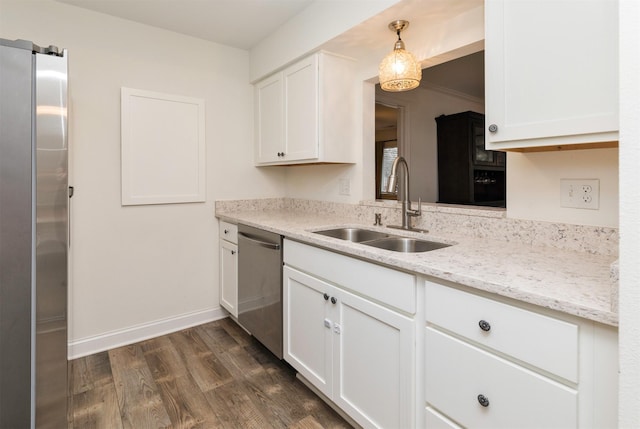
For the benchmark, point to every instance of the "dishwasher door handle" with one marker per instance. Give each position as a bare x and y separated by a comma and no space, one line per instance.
268,245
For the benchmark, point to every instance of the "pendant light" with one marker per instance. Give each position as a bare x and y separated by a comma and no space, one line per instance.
399,71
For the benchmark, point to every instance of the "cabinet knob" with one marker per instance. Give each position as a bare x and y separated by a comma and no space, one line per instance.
493,128
326,296
333,300
483,400
226,231
484,325
233,252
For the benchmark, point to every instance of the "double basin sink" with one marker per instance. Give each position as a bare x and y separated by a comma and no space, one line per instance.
383,240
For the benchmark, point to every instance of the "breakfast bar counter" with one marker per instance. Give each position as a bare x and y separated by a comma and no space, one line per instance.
568,281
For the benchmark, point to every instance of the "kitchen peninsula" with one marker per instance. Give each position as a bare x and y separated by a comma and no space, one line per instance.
511,313
580,283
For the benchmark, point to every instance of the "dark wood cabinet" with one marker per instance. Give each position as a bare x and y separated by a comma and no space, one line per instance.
467,172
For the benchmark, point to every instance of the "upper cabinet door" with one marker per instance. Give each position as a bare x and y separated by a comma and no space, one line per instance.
301,109
551,73
269,117
305,113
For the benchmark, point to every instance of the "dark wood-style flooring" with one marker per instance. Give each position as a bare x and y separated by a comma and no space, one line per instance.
210,376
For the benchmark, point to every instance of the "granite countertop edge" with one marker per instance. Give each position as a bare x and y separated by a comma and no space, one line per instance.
570,282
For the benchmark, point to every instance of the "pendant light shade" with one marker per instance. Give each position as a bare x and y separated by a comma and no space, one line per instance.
399,71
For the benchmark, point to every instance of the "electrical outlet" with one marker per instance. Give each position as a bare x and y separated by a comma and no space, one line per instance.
580,193
345,186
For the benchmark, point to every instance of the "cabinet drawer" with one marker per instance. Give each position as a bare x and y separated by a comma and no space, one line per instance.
389,287
547,343
435,420
458,373
229,232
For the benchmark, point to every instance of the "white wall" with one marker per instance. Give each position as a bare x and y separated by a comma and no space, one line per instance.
533,185
629,382
140,265
533,179
306,32
460,36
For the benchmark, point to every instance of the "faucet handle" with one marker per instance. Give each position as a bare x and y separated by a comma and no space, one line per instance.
378,219
418,212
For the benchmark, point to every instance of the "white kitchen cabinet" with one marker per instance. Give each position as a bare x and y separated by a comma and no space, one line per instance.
551,74
493,364
308,339
229,267
304,113
358,353
269,119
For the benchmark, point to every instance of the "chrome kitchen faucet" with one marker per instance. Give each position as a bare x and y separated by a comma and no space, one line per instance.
407,212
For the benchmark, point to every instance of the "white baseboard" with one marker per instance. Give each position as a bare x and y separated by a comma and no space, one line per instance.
133,334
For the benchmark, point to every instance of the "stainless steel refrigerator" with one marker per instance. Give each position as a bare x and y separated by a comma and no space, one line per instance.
34,200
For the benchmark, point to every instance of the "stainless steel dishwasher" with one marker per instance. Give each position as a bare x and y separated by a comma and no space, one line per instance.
260,285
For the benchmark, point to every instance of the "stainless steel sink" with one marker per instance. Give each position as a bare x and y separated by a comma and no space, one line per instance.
356,235
382,240
406,245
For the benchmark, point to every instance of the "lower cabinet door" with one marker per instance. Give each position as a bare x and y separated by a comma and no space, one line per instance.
229,276
307,328
480,390
373,363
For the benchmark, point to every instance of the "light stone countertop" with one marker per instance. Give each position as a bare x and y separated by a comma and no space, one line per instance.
571,282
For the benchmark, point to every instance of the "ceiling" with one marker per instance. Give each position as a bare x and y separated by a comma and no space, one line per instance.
237,23
464,75
244,23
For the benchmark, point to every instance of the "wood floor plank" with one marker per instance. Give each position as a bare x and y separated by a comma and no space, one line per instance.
89,372
162,358
233,355
202,362
307,423
267,398
139,401
236,332
260,353
186,404
96,409
306,400
235,408
208,377
219,337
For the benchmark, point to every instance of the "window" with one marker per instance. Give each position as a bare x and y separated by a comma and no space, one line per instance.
386,148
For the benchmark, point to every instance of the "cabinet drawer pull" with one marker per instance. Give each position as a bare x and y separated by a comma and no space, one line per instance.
493,128
483,400
326,296
333,300
484,325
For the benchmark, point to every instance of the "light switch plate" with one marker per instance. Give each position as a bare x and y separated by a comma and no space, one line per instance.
580,193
